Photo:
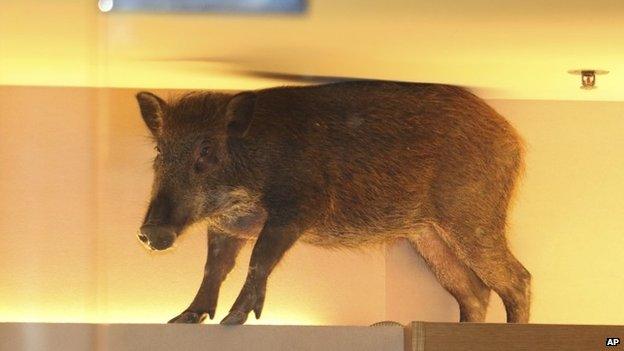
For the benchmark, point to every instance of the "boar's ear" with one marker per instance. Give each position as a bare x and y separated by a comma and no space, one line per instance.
152,108
239,113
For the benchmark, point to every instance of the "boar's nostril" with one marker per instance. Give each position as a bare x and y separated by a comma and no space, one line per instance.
143,238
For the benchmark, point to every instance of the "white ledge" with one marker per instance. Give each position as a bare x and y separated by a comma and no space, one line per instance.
157,337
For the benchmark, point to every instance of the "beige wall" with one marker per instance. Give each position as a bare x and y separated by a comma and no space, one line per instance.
75,171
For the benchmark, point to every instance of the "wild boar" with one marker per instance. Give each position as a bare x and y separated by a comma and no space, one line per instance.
338,165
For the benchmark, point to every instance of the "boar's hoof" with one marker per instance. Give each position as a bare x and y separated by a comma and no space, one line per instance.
189,317
234,318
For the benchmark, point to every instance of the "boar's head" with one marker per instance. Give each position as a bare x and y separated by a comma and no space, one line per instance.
193,168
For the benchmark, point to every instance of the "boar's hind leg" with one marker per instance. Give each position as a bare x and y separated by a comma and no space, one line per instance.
272,244
222,252
485,250
470,292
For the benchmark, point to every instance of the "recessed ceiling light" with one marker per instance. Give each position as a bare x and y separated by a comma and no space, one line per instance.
588,77
105,5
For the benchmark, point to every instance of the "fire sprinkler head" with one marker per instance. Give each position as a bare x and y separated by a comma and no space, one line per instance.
588,77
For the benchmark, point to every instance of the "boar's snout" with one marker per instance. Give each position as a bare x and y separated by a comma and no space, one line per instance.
157,237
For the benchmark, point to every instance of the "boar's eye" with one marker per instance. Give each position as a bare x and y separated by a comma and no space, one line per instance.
157,149
204,151
205,159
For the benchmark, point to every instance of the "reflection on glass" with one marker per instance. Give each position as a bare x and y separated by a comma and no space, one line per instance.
245,6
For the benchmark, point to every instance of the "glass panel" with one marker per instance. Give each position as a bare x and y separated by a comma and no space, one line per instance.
247,6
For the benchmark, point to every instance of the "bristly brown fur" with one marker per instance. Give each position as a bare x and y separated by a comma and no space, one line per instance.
344,165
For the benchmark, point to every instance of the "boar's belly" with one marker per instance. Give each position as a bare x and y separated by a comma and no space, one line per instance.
352,237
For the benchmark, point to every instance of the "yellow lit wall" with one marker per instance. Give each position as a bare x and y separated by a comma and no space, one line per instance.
507,49
565,225
75,170
47,204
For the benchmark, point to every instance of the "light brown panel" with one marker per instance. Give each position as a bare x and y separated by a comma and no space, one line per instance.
425,336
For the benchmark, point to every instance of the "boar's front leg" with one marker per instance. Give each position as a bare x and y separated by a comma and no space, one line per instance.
222,252
270,247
